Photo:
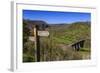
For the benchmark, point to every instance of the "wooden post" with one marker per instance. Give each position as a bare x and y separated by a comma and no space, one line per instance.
37,44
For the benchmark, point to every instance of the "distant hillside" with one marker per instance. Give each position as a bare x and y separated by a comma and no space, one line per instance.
70,33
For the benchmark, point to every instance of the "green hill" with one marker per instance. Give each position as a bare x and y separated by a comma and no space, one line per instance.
70,33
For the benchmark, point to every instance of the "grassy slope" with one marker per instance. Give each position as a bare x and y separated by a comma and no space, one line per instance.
68,34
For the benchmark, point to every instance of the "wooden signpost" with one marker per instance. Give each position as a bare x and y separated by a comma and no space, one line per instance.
36,38
37,44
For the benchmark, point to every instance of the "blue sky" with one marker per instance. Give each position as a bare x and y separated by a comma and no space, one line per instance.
54,17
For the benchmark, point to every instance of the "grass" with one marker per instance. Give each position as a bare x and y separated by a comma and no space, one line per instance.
85,50
86,53
28,58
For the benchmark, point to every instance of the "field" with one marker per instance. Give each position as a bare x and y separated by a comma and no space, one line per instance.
58,45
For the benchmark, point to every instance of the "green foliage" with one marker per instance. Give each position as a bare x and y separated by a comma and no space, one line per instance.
28,46
28,58
25,32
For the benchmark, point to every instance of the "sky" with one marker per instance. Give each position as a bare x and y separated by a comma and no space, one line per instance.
54,17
